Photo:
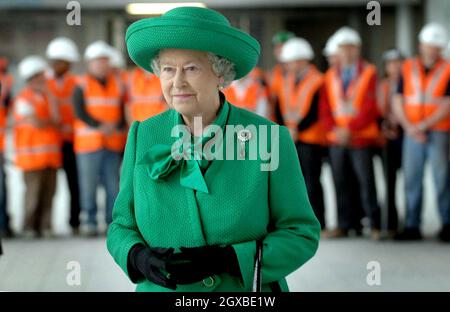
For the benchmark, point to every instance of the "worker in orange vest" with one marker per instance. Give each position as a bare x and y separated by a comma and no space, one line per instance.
278,71
297,98
118,66
6,82
392,133
145,98
62,53
37,145
100,132
422,105
251,93
349,113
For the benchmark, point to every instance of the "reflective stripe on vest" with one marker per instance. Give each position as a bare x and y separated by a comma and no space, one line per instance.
296,103
145,95
62,91
6,82
36,148
423,94
248,99
346,106
103,103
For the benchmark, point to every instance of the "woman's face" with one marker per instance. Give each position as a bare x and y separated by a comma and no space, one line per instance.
188,82
393,68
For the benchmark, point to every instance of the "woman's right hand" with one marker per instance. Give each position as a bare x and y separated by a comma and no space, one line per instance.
151,262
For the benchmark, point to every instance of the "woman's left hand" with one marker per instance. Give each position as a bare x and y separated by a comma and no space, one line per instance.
192,265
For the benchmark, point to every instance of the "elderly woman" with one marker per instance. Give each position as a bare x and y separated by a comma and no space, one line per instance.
186,221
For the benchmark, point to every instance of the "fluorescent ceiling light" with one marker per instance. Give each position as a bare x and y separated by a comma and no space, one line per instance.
158,8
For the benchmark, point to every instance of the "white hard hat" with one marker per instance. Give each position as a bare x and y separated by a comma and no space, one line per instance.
97,49
392,55
347,35
331,47
31,66
62,48
117,60
296,49
434,34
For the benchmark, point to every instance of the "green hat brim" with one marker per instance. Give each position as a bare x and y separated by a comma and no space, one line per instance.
146,37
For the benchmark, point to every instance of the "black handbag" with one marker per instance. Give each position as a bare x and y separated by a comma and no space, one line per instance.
274,286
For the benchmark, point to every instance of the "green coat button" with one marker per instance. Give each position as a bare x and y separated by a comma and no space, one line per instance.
209,282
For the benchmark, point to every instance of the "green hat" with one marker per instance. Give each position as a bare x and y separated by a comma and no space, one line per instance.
191,28
282,36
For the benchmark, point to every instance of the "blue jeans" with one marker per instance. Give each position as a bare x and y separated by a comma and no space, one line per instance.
94,168
3,214
436,151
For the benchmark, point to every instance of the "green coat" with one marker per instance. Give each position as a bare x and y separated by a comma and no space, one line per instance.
243,204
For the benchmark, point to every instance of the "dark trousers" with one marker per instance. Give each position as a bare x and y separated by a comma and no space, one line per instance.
40,187
4,217
392,162
360,160
356,206
70,168
311,156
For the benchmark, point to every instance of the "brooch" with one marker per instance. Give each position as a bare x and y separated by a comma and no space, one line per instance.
243,136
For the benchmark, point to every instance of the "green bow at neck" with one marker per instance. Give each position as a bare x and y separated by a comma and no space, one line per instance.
164,159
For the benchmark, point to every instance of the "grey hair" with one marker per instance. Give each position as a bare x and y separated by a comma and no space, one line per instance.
221,66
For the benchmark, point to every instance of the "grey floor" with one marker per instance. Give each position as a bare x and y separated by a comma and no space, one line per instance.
339,265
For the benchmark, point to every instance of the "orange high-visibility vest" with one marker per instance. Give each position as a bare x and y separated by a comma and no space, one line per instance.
275,78
295,102
145,95
346,106
423,94
36,148
254,93
62,91
6,82
103,103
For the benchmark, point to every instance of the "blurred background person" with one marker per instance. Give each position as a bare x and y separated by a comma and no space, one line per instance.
297,98
331,52
275,75
251,92
349,111
144,96
118,64
62,53
37,145
392,134
6,83
99,133
422,106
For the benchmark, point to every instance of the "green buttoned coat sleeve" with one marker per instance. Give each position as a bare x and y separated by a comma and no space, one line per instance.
123,233
295,232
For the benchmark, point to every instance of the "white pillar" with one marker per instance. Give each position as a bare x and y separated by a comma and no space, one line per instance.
404,29
118,33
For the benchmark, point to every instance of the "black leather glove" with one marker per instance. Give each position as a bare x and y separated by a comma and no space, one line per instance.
150,263
195,264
